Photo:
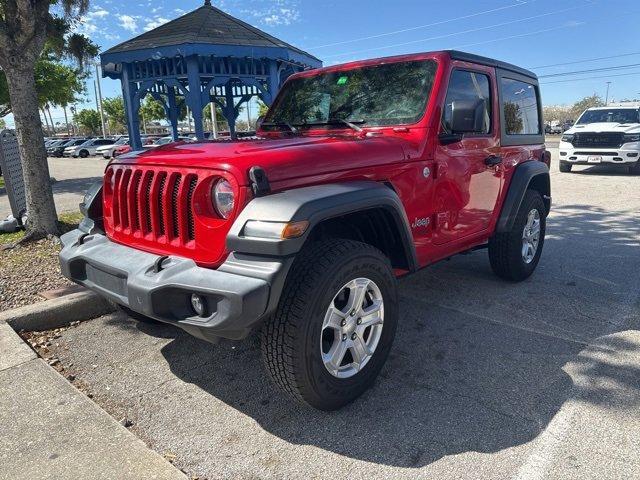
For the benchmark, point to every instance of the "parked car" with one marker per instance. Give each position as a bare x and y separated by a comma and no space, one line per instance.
303,232
88,148
121,150
603,135
58,150
107,150
53,144
166,140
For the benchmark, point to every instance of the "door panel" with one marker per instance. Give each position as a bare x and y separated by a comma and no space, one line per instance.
469,175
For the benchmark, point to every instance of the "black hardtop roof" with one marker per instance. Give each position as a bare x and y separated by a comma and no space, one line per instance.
472,58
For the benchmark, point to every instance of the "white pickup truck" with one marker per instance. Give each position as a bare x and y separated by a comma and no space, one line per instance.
609,135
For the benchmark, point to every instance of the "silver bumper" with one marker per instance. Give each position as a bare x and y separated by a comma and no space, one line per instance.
238,294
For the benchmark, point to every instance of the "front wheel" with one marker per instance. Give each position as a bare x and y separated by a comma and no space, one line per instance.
334,325
84,154
565,167
514,255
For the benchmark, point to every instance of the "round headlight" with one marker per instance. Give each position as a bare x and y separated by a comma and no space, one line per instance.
223,198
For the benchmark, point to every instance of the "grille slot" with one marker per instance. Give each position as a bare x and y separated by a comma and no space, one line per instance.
156,205
598,140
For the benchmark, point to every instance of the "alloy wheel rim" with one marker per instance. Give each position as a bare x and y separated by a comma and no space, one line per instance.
352,327
531,236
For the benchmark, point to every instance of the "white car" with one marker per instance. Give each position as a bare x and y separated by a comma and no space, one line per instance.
87,148
603,135
166,140
107,150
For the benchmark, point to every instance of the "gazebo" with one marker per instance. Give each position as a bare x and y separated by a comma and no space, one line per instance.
204,56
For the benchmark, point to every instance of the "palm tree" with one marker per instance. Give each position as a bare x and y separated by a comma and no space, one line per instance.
25,27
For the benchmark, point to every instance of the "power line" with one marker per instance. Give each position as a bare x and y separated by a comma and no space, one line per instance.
472,30
411,29
585,60
592,70
591,78
510,37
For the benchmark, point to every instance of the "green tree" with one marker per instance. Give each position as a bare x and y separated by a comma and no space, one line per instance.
116,116
263,108
3,124
152,110
89,121
580,106
56,84
513,118
25,27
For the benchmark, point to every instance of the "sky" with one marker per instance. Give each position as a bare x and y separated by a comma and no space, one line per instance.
550,37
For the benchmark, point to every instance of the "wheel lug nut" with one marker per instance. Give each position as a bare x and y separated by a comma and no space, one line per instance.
353,312
359,321
343,323
344,337
353,336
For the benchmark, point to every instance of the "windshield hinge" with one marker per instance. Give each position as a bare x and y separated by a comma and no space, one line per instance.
259,181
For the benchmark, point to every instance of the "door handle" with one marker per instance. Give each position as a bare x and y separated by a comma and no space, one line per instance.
492,161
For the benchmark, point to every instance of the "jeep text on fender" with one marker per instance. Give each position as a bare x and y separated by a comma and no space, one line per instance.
362,173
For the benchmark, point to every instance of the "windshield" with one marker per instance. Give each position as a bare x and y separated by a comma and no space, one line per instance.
121,141
389,94
612,115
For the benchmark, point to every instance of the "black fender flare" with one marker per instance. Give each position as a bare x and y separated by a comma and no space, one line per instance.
524,175
316,204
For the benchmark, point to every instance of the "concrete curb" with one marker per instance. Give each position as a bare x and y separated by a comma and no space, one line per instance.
57,312
54,432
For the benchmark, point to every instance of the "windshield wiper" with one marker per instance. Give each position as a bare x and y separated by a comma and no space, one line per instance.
281,124
341,121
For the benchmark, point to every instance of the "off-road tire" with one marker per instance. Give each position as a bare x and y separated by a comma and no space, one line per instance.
291,338
565,167
505,248
135,315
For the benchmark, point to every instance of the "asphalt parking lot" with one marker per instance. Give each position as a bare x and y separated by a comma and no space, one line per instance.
73,176
486,379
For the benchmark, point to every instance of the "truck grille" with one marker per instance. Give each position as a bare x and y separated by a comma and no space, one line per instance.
153,204
598,140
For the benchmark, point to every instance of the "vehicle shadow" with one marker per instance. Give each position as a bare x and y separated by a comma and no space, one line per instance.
603,169
458,379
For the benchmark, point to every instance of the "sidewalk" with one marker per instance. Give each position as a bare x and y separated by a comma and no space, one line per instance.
49,430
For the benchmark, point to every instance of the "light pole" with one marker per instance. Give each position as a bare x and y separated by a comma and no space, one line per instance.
98,94
606,101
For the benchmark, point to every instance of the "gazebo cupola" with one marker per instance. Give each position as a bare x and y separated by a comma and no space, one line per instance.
204,56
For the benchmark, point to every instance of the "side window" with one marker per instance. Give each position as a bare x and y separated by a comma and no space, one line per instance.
466,85
520,105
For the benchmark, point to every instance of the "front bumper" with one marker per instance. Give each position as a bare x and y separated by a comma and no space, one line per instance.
590,156
239,294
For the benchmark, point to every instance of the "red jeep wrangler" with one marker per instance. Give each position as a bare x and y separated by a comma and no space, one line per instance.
362,173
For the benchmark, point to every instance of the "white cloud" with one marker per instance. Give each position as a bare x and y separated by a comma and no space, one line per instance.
128,23
98,13
283,16
154,23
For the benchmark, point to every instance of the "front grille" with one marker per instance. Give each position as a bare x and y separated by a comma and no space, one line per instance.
153,204
602,154
598,140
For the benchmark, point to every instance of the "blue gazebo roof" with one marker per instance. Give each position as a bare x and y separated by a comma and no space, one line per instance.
205,31
205,56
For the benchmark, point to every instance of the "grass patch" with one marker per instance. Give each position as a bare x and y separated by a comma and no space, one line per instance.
67,221
1,182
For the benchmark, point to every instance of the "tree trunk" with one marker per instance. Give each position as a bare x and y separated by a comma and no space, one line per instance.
66,120
46,122
41,210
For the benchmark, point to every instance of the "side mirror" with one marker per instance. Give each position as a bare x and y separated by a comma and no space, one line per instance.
259,121
467,116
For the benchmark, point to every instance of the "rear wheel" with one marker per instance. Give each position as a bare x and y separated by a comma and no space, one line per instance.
334,326
565,167
514,255
84,153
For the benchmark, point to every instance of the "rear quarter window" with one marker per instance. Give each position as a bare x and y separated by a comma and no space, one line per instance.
520,109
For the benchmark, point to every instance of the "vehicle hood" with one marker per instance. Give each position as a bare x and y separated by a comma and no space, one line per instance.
605,127
281,158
